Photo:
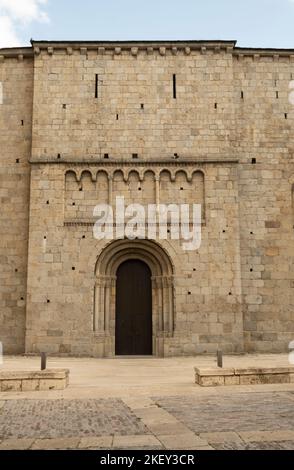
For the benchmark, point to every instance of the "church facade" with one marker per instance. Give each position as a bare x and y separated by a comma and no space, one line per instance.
185,122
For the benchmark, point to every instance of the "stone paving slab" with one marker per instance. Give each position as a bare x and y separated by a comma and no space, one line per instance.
221,437
128,442
187,441
275,445
67,419
16,444
267,436
56,444
103,442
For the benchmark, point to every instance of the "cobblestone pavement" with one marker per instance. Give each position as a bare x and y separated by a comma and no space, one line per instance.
239,421
47,419
108,406
235,412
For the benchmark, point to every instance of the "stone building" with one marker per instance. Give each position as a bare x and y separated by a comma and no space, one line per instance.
201,122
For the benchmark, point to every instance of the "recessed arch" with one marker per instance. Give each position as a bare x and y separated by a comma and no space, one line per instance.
162,272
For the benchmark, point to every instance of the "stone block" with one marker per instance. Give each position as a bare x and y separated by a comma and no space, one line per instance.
10,385
30,385
232,380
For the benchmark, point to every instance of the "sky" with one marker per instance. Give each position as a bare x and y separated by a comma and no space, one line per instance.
253,23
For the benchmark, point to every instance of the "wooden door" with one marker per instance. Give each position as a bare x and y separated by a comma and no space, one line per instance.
133,327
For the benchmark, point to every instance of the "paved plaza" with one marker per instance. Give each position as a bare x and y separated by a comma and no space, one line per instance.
147,403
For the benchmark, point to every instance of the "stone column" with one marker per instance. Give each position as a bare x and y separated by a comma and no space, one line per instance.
99,321
110,190
157,190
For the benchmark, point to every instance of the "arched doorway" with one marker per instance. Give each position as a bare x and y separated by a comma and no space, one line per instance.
133,311
161,275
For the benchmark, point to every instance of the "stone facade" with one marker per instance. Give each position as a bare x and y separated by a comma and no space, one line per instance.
193,122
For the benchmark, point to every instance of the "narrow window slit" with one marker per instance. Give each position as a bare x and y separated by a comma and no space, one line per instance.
174,86
277,95
96,85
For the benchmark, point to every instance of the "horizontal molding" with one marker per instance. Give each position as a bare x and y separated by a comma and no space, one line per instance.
135,163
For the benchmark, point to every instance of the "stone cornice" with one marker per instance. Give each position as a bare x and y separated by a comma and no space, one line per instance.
135,47
16,53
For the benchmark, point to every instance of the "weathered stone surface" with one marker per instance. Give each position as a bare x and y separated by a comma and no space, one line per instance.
103,442
229,154
56,444
10,385
249,376
123,442
54,379
16,444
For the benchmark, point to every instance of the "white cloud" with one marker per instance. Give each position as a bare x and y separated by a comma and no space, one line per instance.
8,37
15,13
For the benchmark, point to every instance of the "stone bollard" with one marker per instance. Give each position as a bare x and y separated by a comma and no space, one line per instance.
219,358
43,361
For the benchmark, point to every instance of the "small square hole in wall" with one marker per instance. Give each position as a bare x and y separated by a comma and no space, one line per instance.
80,189
73,268
106,155
189,293
58,156
251,233
21,298
251,270
134,155
45,238
142,105
224,231
64,106
181,189
253,161
48,301
73,203
139,189
47,202
83,237
194,269
16,270
17,160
